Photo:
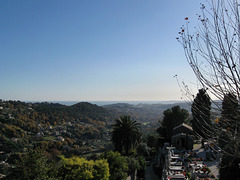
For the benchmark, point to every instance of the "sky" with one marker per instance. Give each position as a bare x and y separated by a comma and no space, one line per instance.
93,50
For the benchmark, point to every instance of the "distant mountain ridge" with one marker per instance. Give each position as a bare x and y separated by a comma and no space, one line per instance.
80,111
102,103
90,113
144,112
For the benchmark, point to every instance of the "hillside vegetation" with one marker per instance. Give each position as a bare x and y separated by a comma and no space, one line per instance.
144,113
79,128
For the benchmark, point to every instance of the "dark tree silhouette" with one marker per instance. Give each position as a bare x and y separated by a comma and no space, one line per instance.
230,112
126,134
201,108
172,118
230,123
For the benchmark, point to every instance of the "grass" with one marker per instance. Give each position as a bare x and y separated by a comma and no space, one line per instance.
196,146
49,138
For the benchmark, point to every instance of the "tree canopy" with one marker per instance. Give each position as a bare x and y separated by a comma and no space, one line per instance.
230,112
80,168
33,165
172,118
126,134
118,165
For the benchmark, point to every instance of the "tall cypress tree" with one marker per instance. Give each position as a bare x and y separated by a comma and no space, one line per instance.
230,123
201,111
230,113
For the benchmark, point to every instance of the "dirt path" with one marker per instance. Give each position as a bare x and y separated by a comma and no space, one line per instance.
149,174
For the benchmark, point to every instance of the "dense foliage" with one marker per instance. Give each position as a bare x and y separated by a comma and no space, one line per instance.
172,118
34,136
229,121
109,165
55,127
230,113
126,134
117,164
201,108
82,112
33,165
79,168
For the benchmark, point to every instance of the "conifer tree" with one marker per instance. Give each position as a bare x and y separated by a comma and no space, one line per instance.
201,108
172,117
230,112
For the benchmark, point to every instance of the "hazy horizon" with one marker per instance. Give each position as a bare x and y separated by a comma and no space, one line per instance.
101,103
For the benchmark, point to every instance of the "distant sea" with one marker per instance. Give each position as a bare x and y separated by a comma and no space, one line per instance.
102,103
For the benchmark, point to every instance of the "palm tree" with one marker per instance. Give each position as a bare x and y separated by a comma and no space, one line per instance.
126,134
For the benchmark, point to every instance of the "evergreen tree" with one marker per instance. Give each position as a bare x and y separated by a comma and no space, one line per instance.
230,113
172,118
33,165
229,122
229,167
201,108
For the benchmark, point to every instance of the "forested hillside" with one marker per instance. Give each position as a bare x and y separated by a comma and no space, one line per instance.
144,113
79,128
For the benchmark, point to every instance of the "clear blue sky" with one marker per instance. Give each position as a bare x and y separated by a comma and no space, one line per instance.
93,50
